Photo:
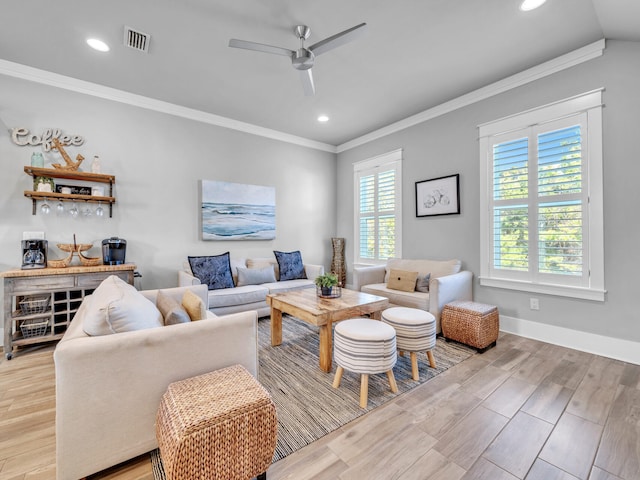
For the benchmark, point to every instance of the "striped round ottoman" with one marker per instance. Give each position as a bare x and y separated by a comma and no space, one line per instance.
367,347
415,332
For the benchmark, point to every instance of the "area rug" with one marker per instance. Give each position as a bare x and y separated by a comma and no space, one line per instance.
307,405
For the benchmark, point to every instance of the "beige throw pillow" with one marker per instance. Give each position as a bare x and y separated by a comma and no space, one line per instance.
171,310
115,306
194,306
402,280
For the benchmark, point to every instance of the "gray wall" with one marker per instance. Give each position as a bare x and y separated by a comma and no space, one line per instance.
158,161
448,145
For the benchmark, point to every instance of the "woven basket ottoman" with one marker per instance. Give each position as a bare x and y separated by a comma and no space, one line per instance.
474,324
220,425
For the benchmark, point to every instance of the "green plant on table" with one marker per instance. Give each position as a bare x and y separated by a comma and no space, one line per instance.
327,280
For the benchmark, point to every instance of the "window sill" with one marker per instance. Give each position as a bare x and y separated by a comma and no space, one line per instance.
544,288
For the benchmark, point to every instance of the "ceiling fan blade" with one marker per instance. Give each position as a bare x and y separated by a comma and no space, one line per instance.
338,39
307,82
259,47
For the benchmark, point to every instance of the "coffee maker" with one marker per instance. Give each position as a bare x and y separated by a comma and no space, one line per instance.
34,253
114,250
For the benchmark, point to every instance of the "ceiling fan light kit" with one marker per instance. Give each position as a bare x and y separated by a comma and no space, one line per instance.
303,58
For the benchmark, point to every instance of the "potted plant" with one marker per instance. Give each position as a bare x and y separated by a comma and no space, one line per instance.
326,282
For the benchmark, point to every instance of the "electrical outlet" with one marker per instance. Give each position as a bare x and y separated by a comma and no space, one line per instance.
534,304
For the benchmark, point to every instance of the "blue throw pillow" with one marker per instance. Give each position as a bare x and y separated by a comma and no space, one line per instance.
290,264
214,271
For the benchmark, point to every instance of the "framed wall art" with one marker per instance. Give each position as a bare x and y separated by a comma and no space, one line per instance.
237,211
438,196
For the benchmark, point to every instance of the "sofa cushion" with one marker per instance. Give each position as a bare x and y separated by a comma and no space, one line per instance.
402,280
422,283
214,270
437,268
255,276
290,265
171,310
237,296
288,285
396,297
115,306
194,306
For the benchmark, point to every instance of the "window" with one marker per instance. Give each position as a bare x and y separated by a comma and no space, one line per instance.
378,208
541,200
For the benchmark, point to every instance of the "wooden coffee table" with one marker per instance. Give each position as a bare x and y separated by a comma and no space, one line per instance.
322,312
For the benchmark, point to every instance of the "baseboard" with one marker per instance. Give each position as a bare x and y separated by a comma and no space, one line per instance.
616,348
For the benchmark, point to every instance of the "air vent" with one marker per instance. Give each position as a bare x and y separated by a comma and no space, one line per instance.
136,40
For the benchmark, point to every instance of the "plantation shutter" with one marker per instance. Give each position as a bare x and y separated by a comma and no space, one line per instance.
538,200
377,211
511,211
560,211
542,199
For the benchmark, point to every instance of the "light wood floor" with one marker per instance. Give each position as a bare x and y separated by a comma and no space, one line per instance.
524,409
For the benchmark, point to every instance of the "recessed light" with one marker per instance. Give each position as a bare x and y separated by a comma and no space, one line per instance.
323,118
527,5
98,45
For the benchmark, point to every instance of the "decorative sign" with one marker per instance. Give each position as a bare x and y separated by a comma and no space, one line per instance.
21,136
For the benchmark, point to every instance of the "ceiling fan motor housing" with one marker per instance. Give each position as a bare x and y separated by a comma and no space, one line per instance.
302,59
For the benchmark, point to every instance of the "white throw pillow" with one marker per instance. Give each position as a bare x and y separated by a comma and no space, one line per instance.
115,307
255,276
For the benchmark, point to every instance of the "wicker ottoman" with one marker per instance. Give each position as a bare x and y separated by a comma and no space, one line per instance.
367,347
220,425
471,323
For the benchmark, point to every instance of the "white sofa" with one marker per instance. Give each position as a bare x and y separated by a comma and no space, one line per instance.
249,297
447,283
108,387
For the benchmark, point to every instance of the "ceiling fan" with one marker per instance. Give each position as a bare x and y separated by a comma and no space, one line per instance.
302,59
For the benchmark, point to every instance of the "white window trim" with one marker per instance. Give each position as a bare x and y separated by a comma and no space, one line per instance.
591,103
388,160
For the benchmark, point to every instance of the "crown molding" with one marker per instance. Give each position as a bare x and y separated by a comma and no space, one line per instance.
558,64
44,77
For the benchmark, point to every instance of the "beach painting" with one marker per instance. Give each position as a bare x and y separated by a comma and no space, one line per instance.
236,211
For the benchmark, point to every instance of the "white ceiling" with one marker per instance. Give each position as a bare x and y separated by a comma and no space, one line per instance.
415,54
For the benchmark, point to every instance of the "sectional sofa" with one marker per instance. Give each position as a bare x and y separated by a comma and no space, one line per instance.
109,386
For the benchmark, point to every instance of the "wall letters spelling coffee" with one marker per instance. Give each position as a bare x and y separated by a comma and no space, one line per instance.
22,137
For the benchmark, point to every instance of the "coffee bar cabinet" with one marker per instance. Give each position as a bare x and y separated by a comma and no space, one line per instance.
39,304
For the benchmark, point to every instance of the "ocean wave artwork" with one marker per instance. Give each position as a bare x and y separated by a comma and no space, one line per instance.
235,211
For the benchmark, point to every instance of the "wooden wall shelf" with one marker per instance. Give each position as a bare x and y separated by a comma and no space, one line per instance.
69,197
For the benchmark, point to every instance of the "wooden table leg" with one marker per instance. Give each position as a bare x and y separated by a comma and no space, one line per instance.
377,315
276,327
326,348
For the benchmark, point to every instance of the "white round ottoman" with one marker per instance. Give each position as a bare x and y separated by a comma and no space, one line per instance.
415,332
367,347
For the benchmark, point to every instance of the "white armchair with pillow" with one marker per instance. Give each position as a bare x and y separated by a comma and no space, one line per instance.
109,383
425,284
